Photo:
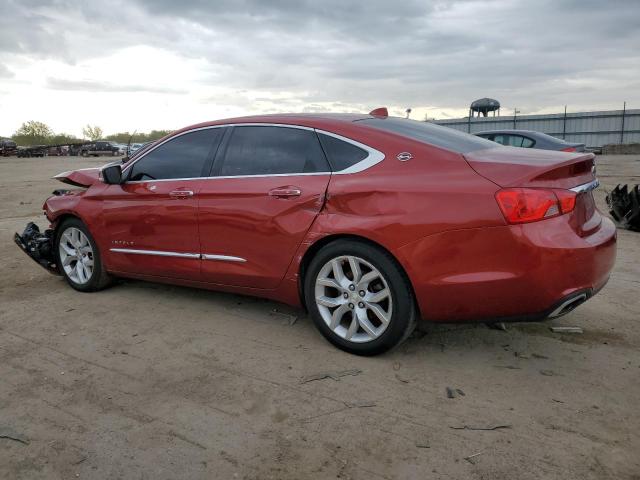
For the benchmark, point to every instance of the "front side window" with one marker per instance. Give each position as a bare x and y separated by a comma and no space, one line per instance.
181,157
267,150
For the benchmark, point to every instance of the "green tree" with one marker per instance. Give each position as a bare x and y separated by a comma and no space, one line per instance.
33,133
63,138
92,133
123,137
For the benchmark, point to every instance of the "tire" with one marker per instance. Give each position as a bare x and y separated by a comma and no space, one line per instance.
84,153
71,236
384,291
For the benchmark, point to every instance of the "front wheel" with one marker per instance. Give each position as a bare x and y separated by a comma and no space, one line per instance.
359,297
78,257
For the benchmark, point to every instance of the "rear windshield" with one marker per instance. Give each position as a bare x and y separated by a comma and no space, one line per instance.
426,132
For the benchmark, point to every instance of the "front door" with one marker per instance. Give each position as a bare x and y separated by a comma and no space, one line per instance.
269,186
152,218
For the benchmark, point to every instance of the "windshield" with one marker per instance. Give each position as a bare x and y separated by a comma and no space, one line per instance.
427,132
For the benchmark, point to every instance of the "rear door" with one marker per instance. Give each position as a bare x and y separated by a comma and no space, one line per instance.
152,217
268,186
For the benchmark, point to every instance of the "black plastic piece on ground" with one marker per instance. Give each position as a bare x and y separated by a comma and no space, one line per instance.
624,206
38,246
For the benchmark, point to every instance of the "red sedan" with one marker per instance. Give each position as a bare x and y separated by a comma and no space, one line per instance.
370,222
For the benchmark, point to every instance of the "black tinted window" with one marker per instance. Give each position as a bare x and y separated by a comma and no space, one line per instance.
527,142
501,139
341,155
181,157
272,150
426,132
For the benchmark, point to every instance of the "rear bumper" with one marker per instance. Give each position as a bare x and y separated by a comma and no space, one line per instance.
518,272
38,246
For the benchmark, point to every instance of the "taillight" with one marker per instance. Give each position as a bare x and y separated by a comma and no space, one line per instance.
524,205
569,149
566,199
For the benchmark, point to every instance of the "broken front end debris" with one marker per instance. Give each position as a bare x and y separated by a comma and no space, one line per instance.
624,206
39,246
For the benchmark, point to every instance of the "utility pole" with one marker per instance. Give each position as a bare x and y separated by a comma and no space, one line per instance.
624,110
564,123
515,113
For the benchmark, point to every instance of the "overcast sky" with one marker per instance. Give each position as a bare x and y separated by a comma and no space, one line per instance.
144,64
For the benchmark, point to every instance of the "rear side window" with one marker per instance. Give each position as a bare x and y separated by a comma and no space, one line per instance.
258,150
181,157
426,132
341,155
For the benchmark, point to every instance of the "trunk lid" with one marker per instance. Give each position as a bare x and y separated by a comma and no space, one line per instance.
528,167
84,177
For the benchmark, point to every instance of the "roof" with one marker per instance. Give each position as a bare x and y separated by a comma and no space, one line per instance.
312,120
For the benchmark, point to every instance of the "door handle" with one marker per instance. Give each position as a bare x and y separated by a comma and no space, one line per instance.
181,193
282,192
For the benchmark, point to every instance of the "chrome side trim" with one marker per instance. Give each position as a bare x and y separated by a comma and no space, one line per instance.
586,187
374,157
230,176
224,258
300,127
155,252
158,253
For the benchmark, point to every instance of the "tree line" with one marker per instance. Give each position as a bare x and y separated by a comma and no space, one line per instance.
39,133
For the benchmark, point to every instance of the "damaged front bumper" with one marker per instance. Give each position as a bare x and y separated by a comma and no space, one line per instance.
38,246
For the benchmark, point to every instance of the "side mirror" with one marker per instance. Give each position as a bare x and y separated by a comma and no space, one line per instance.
112,174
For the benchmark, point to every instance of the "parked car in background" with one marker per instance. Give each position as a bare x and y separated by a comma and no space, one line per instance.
7,147
530,139
99,149
60,151
370,222
74,149
33,151
122,148
133,148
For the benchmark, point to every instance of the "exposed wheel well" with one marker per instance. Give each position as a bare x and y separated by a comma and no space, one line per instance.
313,249
64,217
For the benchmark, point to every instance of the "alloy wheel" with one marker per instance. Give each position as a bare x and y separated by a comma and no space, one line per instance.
353,298
76,255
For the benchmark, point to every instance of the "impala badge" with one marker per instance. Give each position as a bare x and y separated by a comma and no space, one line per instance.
404,156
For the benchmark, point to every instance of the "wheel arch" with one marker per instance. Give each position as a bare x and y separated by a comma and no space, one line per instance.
315,247
62,217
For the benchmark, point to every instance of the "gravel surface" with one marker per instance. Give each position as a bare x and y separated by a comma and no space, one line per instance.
147,381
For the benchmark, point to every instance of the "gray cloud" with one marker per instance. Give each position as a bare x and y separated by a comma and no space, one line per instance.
5,72
412,53
93,86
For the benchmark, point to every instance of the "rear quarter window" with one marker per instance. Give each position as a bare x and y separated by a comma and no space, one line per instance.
426,132
341,155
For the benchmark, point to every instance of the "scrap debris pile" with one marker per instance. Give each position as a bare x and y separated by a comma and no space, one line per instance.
624,206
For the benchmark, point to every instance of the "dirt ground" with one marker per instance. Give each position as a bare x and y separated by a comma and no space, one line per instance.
146,381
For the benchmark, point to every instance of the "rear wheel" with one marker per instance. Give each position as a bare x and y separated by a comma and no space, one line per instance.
359,297
78,257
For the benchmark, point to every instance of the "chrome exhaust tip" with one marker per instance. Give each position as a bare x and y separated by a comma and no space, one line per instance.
568,305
